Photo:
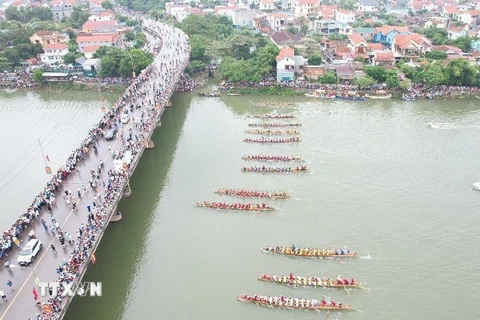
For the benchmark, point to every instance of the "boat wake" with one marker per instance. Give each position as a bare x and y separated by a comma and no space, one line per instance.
476,186
368,257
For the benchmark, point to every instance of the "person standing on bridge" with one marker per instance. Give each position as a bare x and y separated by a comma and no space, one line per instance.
4,297
10,284
52,230
53,248
7,265
44,223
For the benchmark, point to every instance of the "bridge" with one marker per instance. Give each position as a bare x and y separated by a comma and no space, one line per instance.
81,198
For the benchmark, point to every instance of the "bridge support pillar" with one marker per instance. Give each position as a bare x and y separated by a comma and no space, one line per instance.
116,217
127,192
168,104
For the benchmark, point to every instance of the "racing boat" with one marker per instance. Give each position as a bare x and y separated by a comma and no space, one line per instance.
310,252
272,140
295,303
234,206
273,158
274,169
273,104
268,124
252,193
271,116
272,132
315,282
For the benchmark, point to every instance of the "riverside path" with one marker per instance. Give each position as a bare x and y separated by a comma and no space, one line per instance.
75,207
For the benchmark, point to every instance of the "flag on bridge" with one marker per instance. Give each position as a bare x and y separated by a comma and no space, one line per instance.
93,258
37,282
46,157
35,294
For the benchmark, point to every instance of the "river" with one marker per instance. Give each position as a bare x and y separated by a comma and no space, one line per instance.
381,183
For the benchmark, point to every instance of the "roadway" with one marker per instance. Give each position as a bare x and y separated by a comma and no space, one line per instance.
20,303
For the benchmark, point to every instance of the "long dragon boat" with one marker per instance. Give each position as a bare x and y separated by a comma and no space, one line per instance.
295,303
273,104
274,169
272,140
271,116
234,206
272,125
252,193
273,158
310,252
272,132
315,282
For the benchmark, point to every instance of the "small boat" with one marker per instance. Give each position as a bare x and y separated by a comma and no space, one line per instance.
352,98
436,125
252,193
379,94
271,125
233,94
273,104
310,252
476,186
271,116
272,132
274,170
321,94
273,158
315,282
209,94
295,303
234,206
272,140
408,98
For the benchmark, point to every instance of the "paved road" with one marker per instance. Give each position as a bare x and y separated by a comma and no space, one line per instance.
150,97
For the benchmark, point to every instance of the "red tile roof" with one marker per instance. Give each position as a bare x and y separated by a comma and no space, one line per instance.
388,29
91,49
286,52
450,9
56,46
307,2
356,38
106,38
384,56
374,46
91,25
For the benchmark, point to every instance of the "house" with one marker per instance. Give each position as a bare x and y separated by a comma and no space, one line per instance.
266,5
368,5
449,50
91,65
61,9
438,22
357,44
475,45
328,27
412,44
285,38
344,72
54,53
344,16
313,72
383,58
385,34
226,11
45,37
106,15
304,7
450,12
243,17
366,33
178,11
95,3
288,4
286,64
454,33
372,47
95,27
88,51
278,21
326,12
470,17
97,40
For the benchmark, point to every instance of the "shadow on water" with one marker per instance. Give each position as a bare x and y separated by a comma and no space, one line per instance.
122,247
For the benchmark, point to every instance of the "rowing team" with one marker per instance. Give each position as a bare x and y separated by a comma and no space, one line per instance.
266,124
272,116
294,302
273,169
272,132
310,281
234,206
273,140
273,158
310,251
252,193
273,104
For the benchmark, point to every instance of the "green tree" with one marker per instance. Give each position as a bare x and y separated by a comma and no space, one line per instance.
292,29
38,75
392,80
405,84
315,59
364,82
432,75
328,78
436,55
69,58
4,65
460,72
462,43
130,35
195,67
134,60
107,5
377,73
78,17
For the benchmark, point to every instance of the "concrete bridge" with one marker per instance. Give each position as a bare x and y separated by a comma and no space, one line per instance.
82,197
